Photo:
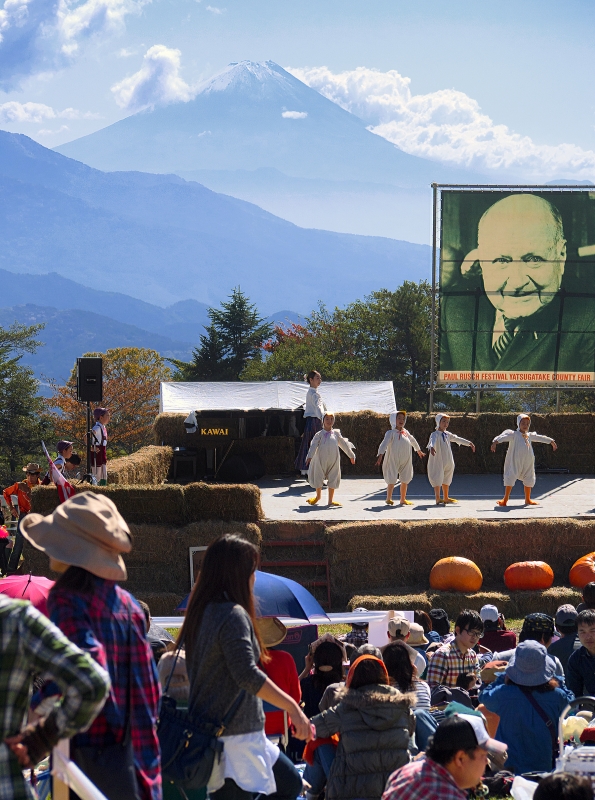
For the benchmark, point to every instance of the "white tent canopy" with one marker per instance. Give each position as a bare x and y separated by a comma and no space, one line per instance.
338,396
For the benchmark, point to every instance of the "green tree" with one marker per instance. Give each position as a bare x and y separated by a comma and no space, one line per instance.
233,340
21,410
385,336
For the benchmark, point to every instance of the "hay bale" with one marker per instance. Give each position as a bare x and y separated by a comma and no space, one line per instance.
511,604
135,503
160,555
147,466
223,501
161,604
168,429
373,602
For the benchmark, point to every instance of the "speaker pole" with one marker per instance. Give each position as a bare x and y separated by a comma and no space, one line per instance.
88,438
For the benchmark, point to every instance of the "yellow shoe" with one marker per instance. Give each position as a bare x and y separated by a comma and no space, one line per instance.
406,503
451,500
312,500
390,502
334,504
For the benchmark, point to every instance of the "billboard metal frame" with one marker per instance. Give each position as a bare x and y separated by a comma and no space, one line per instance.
477,386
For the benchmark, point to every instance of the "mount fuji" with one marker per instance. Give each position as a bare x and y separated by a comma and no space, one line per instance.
253,116
256,132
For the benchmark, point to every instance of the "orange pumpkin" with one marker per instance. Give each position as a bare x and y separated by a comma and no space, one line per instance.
456,574
529,575
582,571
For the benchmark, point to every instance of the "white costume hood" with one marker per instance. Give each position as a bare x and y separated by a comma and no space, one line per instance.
519,418
438,418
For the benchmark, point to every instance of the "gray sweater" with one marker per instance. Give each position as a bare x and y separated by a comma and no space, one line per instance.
225,661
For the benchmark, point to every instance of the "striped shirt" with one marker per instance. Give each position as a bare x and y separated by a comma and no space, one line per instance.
448,662
32,644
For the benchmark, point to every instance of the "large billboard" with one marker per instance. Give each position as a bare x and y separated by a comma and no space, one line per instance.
517,286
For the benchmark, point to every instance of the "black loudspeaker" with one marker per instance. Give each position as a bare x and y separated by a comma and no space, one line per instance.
242,468
89,380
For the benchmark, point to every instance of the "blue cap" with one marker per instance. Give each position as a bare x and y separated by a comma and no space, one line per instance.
529,665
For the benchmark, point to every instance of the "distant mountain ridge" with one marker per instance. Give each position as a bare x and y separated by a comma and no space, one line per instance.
74,324
162,239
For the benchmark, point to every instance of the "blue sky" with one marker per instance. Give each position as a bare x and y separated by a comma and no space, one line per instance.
529,66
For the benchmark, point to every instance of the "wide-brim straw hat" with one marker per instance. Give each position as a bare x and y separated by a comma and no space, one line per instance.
416,635
86,531
272,631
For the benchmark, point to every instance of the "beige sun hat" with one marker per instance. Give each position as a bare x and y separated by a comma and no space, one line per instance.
86,531
416,635
272,631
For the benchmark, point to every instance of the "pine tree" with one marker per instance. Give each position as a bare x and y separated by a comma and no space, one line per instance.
232,340
21,410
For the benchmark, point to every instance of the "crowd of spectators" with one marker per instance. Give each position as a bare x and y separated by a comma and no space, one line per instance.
440,711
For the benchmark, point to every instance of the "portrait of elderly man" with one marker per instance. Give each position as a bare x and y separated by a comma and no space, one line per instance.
507,308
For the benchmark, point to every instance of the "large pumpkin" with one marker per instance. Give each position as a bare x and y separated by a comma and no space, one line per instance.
529,575
582,571
456,574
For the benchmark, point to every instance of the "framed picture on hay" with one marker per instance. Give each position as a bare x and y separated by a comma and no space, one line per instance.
197,555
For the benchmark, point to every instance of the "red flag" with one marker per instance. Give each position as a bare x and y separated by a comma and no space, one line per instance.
64,487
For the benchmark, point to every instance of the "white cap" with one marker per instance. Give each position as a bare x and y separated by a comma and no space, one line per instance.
489,613
483,738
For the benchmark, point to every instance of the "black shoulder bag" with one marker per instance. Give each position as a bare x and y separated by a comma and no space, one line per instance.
111,768
189,744
550,725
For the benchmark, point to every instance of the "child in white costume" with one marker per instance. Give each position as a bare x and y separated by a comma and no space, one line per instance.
519,464
395,455
324,459
441,464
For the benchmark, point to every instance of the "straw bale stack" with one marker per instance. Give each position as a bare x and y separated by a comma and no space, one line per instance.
147,466
381,556
511,604
168,503
223,501
159,560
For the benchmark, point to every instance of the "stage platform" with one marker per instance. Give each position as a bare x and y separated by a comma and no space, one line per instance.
363,498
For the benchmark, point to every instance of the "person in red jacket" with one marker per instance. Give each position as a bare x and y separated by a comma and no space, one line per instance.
281,669
495,636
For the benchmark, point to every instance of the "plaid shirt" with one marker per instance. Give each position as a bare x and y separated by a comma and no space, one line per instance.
423,779
356,637
448,662
99,625
31,644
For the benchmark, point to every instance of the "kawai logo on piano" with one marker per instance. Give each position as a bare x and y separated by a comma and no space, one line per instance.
214,431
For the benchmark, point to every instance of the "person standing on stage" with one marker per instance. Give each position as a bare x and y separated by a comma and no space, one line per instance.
395,455
441,464
519,464
99,445
313,414
324,460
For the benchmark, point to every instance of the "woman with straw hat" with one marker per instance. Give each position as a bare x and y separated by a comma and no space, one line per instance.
85,538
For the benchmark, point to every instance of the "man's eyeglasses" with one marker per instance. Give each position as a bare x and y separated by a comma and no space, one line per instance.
473,634
33,473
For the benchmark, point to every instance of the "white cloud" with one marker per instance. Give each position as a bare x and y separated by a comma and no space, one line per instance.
446,125
215,10
47,132
158,81
43,35
294,114
14,111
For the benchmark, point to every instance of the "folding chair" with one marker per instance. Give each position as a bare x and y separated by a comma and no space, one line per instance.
280,739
